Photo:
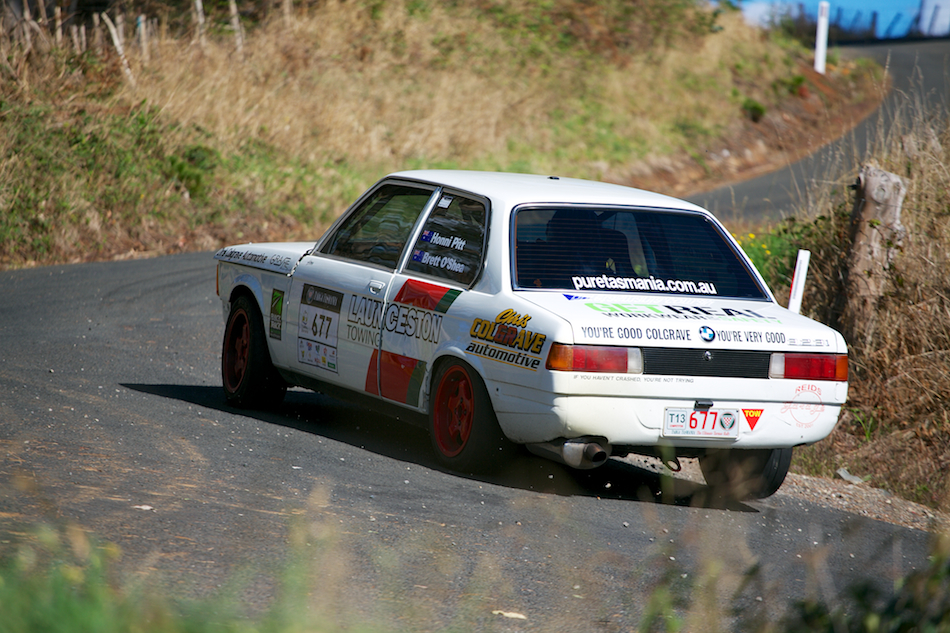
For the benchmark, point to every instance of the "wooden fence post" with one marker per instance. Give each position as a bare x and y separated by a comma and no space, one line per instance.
142,26
97,33
25,22
877,235
236,26
200,22
74,36
118,47
288,14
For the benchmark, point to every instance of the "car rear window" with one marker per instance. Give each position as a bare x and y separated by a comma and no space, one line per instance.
628,250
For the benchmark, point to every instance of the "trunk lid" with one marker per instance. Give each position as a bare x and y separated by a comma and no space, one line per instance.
665,321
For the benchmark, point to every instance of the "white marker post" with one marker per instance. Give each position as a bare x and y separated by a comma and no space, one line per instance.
821,37
798,282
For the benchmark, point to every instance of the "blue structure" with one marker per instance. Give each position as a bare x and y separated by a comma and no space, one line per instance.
860,20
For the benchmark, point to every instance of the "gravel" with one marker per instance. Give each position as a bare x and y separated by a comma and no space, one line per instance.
856,498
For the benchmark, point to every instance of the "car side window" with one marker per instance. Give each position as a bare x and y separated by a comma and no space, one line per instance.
452,240
377,231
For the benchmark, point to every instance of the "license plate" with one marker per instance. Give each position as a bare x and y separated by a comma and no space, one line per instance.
701,423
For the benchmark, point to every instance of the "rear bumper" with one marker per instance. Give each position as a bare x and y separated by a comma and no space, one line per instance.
638,421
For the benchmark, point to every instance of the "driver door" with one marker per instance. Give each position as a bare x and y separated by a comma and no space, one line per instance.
338,293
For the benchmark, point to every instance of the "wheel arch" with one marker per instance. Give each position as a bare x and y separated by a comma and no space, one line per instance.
250,286
448,355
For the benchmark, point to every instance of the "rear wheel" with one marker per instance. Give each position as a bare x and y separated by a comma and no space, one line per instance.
462,423
249,378
746,474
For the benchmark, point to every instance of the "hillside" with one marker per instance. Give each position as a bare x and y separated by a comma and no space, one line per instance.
213,145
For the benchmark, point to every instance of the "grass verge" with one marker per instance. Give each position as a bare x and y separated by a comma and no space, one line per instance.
63,580
895,429
213,147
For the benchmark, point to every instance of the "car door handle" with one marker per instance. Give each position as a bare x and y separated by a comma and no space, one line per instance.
375,287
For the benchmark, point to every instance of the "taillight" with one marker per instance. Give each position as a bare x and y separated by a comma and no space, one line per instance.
595,359
809,366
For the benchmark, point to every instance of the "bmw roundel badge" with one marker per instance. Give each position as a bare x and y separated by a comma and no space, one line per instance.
707,333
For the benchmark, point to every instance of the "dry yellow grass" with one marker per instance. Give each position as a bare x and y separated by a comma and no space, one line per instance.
447,87
310,113
896,427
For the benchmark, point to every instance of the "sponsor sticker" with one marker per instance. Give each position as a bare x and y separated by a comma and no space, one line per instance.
806,406
276,313
809,342
319,321
634,333
416,313
752,416
281,263
727,420
507,340
647,284
674,312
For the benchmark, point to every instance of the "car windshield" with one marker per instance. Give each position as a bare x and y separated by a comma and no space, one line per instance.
628,250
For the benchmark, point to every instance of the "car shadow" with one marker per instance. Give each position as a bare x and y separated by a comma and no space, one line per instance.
389,436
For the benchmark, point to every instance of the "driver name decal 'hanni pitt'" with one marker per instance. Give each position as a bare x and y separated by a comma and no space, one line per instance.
514,344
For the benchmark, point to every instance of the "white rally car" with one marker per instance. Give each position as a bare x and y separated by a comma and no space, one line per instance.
580,319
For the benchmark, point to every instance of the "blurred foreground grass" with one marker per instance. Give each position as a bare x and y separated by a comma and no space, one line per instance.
61,580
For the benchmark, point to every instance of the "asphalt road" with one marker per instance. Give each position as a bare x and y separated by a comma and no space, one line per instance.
919,70
112,419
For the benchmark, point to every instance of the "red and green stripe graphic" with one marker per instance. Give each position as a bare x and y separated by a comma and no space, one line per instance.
400,377
420,294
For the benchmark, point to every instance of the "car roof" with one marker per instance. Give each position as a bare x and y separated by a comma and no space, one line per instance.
510,190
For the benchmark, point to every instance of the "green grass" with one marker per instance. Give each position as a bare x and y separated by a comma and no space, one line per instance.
61,580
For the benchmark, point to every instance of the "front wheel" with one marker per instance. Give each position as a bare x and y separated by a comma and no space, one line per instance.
462,423
746,474
249,378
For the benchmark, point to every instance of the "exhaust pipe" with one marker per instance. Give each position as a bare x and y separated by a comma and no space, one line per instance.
579,453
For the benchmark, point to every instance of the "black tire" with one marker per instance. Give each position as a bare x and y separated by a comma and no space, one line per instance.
248,376
746,474
462,424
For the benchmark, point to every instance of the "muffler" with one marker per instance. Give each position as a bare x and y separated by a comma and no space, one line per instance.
581,453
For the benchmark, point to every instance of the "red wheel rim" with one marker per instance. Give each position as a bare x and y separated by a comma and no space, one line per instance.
454,411
237,350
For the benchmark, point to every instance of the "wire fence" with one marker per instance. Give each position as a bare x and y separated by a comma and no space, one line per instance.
29,28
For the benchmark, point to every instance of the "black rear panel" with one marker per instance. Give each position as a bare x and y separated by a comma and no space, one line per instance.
720,363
